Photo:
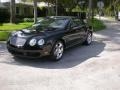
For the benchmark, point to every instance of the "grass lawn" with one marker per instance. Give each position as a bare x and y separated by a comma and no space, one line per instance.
97,25
6,28
12,27
4,36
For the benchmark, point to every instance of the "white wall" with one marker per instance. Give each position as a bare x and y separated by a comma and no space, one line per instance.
9,0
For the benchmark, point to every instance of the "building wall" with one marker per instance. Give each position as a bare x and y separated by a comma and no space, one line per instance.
22,10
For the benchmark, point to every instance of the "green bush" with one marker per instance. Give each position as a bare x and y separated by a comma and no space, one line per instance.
97,25
22,18
31,19
28,19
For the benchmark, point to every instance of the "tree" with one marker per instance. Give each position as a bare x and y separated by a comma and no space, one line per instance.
35,10
12,11
69,4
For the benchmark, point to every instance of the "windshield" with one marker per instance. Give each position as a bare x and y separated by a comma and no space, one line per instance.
49,23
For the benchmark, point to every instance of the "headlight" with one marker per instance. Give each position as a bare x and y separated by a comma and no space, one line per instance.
13,33
32,42
16,33
41,42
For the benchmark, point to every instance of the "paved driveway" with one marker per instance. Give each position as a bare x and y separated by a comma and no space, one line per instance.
94,67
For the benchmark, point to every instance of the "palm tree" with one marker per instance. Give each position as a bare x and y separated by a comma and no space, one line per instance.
35,10
12,11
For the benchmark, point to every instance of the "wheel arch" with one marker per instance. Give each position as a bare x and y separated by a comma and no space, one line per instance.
90,29
63,41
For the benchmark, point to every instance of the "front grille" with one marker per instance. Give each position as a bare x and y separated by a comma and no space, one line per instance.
29,54
17,41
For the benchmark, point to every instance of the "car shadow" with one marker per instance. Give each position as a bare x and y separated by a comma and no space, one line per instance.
72,57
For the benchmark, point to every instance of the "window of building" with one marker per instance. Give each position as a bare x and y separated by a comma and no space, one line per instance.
26,10
17,10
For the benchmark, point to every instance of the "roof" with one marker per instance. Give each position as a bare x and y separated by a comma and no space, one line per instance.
61,16
8,3
39,4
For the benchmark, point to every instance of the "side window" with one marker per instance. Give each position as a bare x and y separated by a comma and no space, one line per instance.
82,22
79,21
73,24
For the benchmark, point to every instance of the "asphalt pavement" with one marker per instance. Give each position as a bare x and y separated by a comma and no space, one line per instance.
94,67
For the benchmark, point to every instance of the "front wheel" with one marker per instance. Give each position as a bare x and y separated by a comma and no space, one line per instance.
57,51
88,40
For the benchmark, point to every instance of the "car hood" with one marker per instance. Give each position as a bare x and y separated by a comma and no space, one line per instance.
34,33
31,33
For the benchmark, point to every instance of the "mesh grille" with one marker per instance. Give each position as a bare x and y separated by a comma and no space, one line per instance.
16,41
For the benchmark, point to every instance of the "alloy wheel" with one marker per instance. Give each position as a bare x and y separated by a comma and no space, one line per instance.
58,51
89,38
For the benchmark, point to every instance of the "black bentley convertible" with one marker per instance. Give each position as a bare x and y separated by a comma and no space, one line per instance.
50,36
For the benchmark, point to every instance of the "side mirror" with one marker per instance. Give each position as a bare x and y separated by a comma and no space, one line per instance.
37,28
90,27
85,21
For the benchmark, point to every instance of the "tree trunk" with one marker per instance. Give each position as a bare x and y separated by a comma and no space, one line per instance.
56,10
48,8
90,10
35,10
12,11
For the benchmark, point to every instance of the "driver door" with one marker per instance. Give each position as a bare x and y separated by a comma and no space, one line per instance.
73,34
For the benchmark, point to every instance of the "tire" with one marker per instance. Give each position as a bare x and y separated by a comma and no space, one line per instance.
88,40
57,51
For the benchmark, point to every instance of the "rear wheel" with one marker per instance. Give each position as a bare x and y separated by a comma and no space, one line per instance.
57,51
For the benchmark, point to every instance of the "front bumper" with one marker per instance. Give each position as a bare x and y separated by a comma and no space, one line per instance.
45,51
